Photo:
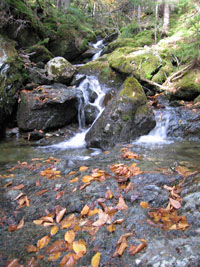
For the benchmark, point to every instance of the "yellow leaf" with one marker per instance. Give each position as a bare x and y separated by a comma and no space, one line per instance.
54,256
96,259
43,242
111,228
83,168
144,204
54,230
85,210
78,246
75,180
93,212
87,178
69,236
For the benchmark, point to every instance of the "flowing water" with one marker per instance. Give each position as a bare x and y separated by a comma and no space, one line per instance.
100,46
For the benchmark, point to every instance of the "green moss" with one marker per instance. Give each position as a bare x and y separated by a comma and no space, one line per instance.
126,117
132,90
41,53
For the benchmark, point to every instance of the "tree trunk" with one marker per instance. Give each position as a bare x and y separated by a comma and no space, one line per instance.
156,23
67,3
139,17
165,30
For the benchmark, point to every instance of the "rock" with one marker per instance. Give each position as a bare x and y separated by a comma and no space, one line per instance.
125,118
60,70
37,76
90,52
39,53
188,87
11,78
46,107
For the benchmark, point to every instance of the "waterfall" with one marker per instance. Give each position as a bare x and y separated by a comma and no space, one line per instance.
159,133
87,87
100,46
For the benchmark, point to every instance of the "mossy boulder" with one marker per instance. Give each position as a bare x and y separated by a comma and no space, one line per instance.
188,87
11,78
101,68
60,70
126,117
141,63
39,53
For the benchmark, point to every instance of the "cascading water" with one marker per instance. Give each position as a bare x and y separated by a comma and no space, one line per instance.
90,84
100,46
159,133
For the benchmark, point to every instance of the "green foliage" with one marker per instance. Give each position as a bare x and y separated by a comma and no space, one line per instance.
129,31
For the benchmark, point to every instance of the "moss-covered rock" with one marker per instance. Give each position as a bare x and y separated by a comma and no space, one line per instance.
187,87
60,70
40,53
125,118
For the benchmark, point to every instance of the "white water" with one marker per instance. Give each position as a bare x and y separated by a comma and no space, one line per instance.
99,45
159,134
78,141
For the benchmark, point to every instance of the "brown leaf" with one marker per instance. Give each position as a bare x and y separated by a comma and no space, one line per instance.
135,249
32,262
19,196
111,228
121,204
84,186
60,194
60,215
93,212
109,194
8,184
57,246
96,259
37,183
176,204
31,248
43,242
21,224
17,187
68,260
41,192
69,236
12,228
14,263
54,256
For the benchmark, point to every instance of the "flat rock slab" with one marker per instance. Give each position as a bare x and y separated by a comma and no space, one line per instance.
50,185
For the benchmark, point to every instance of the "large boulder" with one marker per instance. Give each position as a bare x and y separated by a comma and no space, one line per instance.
125,118
11,77
60,70
47,107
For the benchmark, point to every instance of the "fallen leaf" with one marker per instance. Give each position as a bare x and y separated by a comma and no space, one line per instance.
21,224
84,186
135,249
109,194
96,259
93,212
57,246
85,210
111,228
119,221
17,187
60,194
75,180
71,173
176,204
32,262
37,183
87,178
121,204
103,218
14,263
60,215
31,248
68,260
41,192
83,168
8,184
79,246
69,236
43,242
54,256
54,230
144,204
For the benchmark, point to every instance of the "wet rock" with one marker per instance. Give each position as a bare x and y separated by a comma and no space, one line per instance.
37,76
47,107
39,53
60,70
90,52
126,117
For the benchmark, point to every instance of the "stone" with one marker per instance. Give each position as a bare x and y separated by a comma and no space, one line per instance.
60,70
126,117
47,107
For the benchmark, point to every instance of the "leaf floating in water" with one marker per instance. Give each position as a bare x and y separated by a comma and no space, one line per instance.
96,259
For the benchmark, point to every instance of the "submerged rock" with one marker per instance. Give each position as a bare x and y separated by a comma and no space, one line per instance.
60,70
46,107
125,118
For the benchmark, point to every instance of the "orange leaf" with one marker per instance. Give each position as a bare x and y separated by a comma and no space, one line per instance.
54,256
54,230
41,192
17,187
108,194
121,204
43,242
7,185
79,246
96,259
87,178
60,215
135,249
71,173
144,204
85,210
83,168
21,224
68,260
57,246
93,212
31,248
111,228
69,236
75,180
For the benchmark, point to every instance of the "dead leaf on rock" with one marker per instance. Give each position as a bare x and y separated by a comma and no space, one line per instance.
54,230
60,215
85,210
103,218
75,180
70,236
87,179
41,192
17,187
135,249
144,204
79,246
54,256
83,168
121,204
57,246
121,245
111,228
176,204
43,242
96,259
31,248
